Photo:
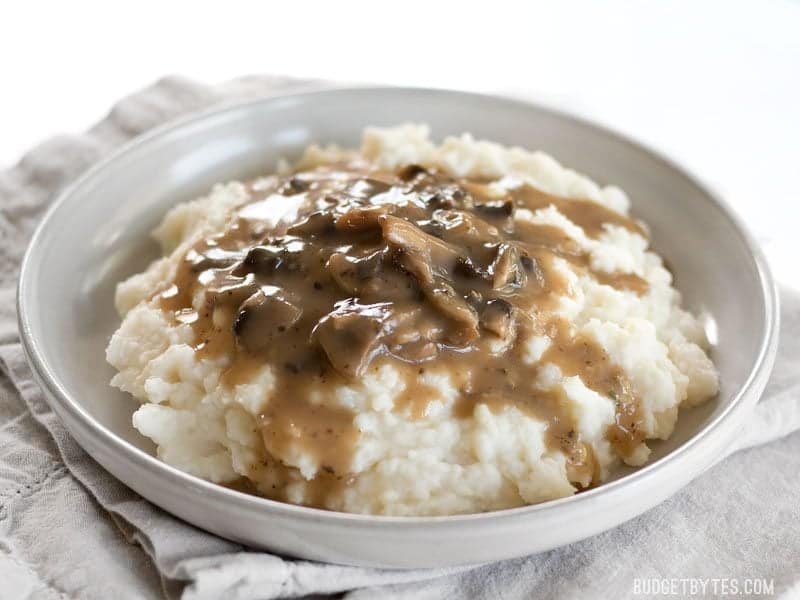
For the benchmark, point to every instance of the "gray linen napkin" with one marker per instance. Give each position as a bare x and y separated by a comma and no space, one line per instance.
70,530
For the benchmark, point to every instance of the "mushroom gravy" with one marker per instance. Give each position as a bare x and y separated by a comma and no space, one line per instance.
328,274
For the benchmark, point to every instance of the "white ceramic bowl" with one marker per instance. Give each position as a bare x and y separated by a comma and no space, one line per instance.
97,234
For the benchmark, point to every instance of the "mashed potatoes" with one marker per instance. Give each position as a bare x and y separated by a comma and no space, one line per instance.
413,447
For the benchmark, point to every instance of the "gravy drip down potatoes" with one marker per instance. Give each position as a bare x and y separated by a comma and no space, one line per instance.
408,329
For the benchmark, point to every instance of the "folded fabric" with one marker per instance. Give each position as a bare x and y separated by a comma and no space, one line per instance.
68,529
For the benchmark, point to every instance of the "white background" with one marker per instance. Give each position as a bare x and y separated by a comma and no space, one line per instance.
715,84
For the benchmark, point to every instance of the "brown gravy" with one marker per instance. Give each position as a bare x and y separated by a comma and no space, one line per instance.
328,274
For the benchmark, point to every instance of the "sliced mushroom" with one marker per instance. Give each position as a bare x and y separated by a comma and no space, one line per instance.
284,254
457,309
263,317
474,298
498,318
350,335
449,196
422,255
368,187
362,218
464,223
417,351
535,272
231,289
465,267
409,172
468,230
506,269
352,273
317,223
496,209
298,184
438,200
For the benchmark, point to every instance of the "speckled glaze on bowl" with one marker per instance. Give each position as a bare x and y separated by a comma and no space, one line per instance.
97,233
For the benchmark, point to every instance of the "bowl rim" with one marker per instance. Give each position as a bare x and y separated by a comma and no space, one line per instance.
56,392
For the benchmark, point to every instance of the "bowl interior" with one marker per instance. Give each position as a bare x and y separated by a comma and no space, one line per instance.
99,234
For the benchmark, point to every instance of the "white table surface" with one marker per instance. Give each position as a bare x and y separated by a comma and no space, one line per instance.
715,84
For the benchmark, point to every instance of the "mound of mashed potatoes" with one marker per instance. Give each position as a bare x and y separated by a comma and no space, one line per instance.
408,329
